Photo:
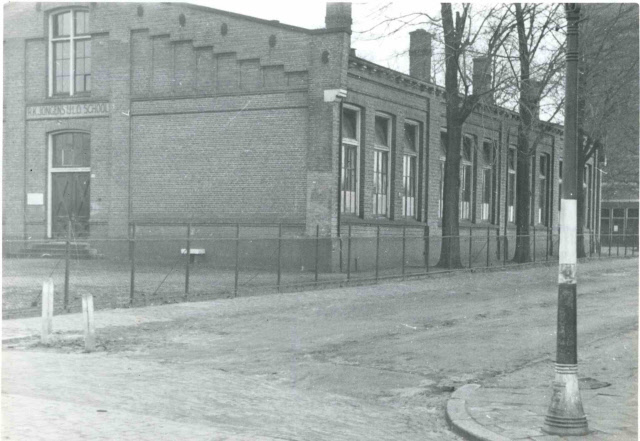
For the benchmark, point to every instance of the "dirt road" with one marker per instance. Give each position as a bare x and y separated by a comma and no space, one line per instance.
357,363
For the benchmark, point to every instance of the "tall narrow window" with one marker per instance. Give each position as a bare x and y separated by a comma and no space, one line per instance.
511,184
487,179
443,161
466,177
559,185
69,53
587,194
382,148
409,169
543,190
349,157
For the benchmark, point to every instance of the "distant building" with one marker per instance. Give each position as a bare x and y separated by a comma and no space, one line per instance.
121,113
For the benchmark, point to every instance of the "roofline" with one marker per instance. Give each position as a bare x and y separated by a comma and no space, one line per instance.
439,90
273,23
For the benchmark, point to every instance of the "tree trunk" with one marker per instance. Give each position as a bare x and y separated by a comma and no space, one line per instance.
523,199
527,105
450,250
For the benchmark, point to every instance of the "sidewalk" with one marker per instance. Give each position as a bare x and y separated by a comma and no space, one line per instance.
513,407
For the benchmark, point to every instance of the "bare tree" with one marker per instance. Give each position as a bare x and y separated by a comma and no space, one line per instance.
461,39
537,70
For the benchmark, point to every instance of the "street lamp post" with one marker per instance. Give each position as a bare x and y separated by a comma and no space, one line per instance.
565,415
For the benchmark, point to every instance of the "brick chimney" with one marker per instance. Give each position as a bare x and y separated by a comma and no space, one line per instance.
420,55
338,16
482,78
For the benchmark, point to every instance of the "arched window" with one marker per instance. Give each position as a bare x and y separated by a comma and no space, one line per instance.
71,149
69,53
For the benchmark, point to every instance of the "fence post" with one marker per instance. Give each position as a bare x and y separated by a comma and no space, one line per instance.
610,240
624,240
349,254
470,244
547,251
132,247
279,254
47,311
317,245
186,272
235,289
599,246
88,322
66,267
404,244
488,244
426,247
591,242
618,246
505,250
534,243
377,250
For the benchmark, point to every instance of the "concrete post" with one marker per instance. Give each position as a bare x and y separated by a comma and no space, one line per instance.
88,322
47,311
565,415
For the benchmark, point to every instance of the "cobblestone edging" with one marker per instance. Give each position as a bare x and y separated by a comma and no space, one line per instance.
462,423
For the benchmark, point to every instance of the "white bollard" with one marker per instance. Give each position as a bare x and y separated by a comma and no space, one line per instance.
47,311
88,322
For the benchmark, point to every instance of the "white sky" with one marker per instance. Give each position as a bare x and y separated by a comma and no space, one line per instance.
389,51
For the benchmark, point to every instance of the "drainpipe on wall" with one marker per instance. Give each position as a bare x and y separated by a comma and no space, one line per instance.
331,96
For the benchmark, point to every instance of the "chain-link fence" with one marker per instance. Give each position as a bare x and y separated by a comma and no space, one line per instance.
167,264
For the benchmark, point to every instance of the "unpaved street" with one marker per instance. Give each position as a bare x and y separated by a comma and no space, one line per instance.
356,363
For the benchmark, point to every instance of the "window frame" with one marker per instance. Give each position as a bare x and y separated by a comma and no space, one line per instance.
487,165
544,167
466,165
409,157
72,38
60,169
380,152
511,189
351,143
442,157
560,167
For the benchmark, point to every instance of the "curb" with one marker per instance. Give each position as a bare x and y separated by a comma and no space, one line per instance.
462,423
17,339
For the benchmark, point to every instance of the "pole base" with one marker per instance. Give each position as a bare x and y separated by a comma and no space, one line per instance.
565,415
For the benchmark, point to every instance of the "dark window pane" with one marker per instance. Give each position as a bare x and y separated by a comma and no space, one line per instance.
511,159
604,213
349,124
467,145
632,212
443,144
382,131
560,169
486,153
410,137
618,212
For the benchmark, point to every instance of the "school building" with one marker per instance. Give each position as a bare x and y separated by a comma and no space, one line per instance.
122,113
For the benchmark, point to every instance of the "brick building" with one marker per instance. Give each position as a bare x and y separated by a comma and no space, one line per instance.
119,113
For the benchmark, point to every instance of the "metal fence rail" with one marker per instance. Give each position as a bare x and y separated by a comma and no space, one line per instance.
201,264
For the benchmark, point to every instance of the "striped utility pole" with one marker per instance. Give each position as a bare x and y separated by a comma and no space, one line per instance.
566,415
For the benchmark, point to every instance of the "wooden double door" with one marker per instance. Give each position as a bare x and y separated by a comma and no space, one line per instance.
70,204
